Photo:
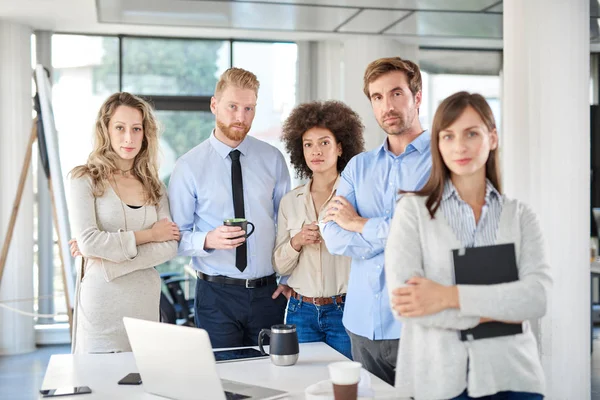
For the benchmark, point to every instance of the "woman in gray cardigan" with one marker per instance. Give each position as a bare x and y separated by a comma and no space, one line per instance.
121,221
462,206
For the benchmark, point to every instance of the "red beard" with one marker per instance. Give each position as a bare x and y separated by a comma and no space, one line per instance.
233,134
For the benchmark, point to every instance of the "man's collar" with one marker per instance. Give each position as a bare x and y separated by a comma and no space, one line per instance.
223,150
421,143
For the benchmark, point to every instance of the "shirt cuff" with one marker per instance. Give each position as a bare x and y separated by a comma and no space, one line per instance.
370,229
198,240
283,279
469,300
290,250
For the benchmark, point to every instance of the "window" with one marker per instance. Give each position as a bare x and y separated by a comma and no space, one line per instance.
175,67
446,72
275,67
178,77
85,72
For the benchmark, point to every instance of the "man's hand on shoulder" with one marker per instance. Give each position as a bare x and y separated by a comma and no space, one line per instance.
224,238
343,213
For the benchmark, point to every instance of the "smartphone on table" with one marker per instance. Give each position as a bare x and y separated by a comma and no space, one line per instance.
65,391
131,379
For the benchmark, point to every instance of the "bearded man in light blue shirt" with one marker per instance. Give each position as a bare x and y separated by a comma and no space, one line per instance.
358,218
231,176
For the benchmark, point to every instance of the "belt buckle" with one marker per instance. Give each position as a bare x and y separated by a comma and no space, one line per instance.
315,300
248,287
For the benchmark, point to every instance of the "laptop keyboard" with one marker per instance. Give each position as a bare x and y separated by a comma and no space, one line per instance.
235,396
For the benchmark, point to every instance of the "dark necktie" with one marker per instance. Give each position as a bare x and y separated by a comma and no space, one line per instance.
237,186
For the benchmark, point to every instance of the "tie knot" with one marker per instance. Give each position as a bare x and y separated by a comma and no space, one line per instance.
235,155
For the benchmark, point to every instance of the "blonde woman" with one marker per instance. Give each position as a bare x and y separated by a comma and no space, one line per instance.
120,215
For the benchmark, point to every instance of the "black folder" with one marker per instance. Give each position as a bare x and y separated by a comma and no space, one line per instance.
487,265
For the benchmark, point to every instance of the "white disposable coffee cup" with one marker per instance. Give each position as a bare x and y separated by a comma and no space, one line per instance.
345,372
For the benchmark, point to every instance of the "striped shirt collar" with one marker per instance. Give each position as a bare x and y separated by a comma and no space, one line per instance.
450,191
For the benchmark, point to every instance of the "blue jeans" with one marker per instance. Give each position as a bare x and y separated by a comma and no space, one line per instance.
319,324
503,396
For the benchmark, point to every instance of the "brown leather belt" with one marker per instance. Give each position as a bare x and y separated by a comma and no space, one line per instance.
247,283
319,301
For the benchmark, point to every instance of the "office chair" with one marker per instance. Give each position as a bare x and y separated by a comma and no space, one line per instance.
175,307
167,310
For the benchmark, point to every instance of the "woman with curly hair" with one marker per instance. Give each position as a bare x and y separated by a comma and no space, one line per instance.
121,220
321,138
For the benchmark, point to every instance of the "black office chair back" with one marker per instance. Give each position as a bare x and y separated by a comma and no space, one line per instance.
167,311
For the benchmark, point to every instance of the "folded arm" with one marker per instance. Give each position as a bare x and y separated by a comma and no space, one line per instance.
369,238
521,300
149,255
404,260
92,242
285,257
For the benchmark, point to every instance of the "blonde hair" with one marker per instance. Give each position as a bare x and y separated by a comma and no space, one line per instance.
384,65
101,163
239,78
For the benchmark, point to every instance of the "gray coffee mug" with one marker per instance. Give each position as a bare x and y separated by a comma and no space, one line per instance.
283,346
242,223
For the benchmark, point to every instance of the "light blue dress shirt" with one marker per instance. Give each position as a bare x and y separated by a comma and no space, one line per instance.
370,182
201,198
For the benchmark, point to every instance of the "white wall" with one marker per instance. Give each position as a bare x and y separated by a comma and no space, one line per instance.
334,70
546,163
16,331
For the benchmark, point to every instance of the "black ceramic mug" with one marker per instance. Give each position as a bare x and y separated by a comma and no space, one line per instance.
242,223
284,348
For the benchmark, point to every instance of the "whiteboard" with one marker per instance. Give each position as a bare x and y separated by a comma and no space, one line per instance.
50,136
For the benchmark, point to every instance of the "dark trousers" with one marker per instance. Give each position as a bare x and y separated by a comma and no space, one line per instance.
233,315
502,396
377,356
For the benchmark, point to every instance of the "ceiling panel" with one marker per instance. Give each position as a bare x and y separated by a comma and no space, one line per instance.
450,24
222,14
373,21
457,5
453,61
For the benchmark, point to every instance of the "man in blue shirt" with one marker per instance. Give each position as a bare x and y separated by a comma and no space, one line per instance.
358,218
231,175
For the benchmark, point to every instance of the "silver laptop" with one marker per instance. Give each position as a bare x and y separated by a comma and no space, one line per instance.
178,362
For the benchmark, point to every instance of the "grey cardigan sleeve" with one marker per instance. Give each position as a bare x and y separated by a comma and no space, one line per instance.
149,255
404,260
93,242
521,300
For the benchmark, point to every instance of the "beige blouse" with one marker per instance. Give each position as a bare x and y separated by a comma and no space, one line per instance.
313,271
119,278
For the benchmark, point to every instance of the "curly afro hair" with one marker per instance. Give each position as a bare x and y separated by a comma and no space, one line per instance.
335,116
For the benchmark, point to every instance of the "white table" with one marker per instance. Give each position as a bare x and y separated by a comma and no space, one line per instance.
101,372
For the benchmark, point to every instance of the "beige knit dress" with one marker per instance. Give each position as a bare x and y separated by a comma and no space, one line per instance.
119,278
